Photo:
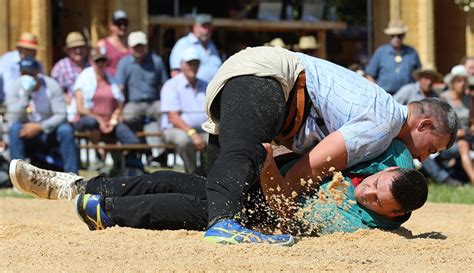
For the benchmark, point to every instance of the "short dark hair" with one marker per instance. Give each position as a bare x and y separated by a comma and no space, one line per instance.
410,189
444,117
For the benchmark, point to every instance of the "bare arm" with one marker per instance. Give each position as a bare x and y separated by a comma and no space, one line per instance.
329,153
370,78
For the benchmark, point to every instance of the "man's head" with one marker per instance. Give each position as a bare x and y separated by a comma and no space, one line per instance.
431,127
393,192
202,28
396,30
190,64
27,45
138,42
119,23
426,76
29,68
76,47
458,79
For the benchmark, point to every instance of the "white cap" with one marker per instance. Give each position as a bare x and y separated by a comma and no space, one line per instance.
189,54
137,38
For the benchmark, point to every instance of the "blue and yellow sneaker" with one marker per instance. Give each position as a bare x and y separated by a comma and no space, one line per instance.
231,232
89,210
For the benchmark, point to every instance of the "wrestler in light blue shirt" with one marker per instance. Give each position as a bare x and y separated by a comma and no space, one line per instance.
178,95
367,117
390,74
210,60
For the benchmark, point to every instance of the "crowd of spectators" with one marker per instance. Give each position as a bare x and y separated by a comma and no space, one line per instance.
114,88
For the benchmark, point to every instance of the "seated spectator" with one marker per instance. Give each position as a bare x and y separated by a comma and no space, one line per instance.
66,70
456,96
421,89
468,63
200,39
141,76
307,45
37,120
183,99
116,42
26,46
99,104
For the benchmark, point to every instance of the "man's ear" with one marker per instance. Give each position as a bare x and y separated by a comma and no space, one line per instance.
396,214
425,124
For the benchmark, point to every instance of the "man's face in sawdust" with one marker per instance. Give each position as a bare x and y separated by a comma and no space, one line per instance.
374,193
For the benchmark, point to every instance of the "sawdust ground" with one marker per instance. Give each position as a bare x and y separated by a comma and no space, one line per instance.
42,235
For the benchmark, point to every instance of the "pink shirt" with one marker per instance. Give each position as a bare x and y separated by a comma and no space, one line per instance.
114,56
104,101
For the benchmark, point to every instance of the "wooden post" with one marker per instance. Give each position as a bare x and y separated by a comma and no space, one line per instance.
426,44
395,9
322,52
4,27
99,20
41,25
470,33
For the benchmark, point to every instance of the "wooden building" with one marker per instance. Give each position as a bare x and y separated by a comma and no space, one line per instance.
440,31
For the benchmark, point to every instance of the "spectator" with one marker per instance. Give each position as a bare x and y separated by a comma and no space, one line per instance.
277,42
116,44
26,46
99,104
456,97
392,64
66,70
141,76
468,63
307,45
421,89
183,99
37,120
200,39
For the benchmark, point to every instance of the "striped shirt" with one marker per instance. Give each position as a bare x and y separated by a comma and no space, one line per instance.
367,117
65,72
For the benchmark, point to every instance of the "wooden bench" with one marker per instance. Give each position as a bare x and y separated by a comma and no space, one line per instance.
118,147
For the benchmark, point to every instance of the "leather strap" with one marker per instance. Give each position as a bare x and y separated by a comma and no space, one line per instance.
295,116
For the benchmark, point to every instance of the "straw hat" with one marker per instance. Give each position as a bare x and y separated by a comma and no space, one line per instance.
307,43
458,71
428,70
396,28
276,42
27,40
75,39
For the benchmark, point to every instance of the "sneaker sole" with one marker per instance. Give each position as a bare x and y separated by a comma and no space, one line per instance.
228,241
13,178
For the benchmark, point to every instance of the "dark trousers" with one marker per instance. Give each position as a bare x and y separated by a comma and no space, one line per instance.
251,111
170,200
161,200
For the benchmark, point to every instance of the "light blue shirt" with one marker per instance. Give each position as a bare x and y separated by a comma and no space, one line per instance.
367,117
142,81
389,74
177,95
209,57
10,70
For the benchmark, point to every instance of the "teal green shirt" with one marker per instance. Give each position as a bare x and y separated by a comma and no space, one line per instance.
324,217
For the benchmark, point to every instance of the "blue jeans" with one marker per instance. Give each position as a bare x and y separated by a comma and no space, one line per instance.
59,140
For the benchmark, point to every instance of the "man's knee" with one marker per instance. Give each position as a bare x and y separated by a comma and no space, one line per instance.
65,131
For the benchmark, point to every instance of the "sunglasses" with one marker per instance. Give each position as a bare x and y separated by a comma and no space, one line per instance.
398,36
121,23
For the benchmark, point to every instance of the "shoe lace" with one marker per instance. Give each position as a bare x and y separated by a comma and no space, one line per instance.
62,182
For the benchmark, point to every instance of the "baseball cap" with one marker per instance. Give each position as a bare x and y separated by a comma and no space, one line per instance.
29,64
203,18
75,39
137,38
190,54
98,53
119,15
